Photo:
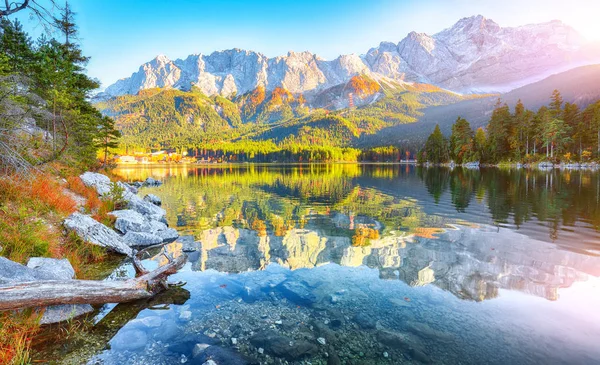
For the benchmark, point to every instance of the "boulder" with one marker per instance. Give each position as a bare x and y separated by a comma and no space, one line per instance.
127,187
147,209
92,231
152,182
393,339
130,220
220,356
13,272
298,292
365,320
100,182
60,313
283,346
59,269
151,198
141,239
167,235
41,268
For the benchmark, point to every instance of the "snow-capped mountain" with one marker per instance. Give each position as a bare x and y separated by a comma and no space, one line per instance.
474,55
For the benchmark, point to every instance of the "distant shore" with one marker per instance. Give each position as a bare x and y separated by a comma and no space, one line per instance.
263,163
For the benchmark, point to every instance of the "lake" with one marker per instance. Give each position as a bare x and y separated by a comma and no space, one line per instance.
364,264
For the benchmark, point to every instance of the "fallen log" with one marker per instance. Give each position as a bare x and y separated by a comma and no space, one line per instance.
53,292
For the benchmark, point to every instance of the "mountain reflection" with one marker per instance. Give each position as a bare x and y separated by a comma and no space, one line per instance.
470,232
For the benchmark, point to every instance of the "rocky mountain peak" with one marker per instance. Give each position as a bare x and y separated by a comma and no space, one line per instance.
475,54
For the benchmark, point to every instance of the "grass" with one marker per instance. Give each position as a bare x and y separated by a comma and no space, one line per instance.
16,332
31,216
98,208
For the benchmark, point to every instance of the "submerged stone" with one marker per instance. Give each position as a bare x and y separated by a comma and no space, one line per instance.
283,346
365,321
60,313
298,292
221,356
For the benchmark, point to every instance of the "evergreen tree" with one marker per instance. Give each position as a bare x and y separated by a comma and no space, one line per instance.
16,46
480,145
436,147
461,141
498,132
108,136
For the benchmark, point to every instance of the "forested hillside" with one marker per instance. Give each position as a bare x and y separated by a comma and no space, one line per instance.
337,117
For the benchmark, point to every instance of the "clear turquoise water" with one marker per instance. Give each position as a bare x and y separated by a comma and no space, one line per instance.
349,264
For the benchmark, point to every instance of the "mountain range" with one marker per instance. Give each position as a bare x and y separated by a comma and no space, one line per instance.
394,94
475,55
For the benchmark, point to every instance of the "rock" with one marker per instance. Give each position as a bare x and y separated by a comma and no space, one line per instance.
96,233
393,339
127,187
199,349
151,198
185,316
335,323
41,268
188,244
333,358
365,320
13,272
426,332
297,292
100,182
138,239
221,356
60,313
321,340
146,322
130,220
419,355
129,340
149,210
59,269
152,182
167,235
385,354
282,346
261,350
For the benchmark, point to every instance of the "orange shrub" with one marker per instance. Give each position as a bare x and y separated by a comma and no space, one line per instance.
93,202
52,194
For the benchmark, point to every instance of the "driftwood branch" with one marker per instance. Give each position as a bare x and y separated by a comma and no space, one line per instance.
54,292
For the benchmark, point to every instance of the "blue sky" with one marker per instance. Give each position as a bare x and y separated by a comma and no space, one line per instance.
121,35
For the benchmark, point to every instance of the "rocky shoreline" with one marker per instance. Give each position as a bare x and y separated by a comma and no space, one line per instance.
544,165
142,223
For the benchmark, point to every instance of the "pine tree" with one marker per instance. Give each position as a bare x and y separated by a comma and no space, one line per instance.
480,145
436,147
498,132
461,141
108,136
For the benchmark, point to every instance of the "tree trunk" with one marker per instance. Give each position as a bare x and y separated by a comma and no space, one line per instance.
54,292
